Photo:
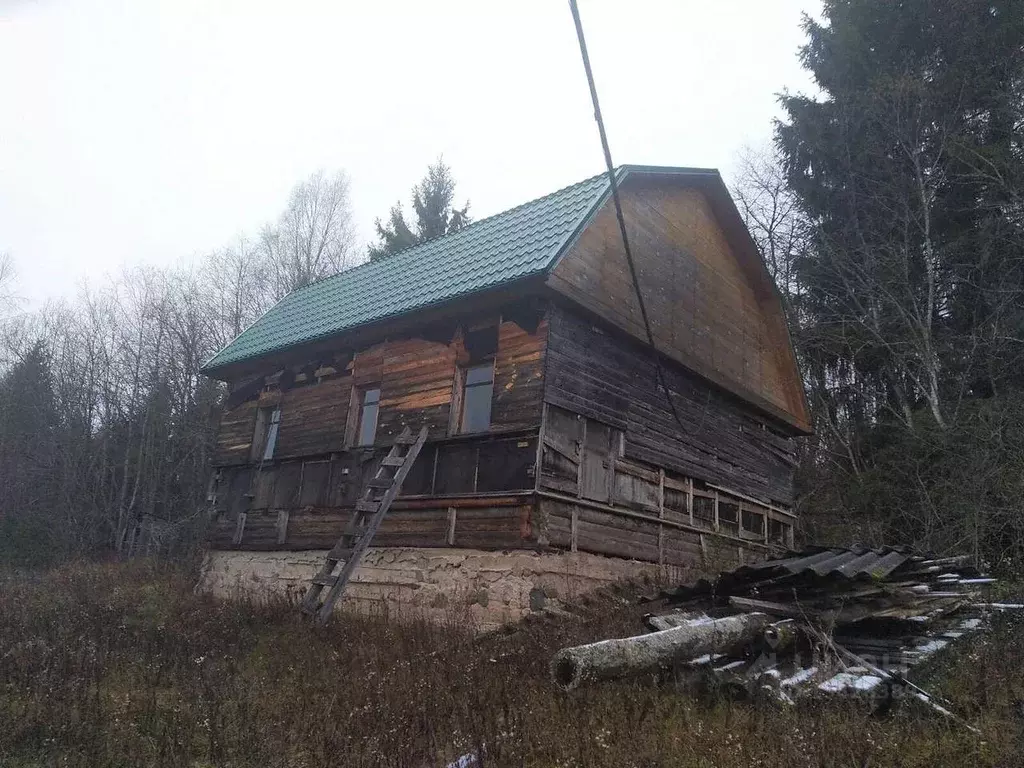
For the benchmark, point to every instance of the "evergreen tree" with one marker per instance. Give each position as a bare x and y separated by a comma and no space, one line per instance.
29,533
433,203
911,169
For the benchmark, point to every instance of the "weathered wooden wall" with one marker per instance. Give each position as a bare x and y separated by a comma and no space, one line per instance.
606,376
234,437
416,378
457,492
491,524
710,306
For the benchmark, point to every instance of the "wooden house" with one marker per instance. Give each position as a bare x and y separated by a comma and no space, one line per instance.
519,342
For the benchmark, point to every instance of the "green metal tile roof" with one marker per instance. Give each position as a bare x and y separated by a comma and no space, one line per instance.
518,243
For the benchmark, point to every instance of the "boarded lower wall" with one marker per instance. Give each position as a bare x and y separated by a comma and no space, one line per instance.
487,588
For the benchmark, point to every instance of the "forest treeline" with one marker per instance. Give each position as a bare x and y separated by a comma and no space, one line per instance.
105,420
890,210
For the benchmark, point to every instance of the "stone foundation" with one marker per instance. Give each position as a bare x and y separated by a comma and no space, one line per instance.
486,588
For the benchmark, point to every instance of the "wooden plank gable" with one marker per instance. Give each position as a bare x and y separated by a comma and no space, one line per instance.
710,306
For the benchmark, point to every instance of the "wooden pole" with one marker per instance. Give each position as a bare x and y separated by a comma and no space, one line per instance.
661,516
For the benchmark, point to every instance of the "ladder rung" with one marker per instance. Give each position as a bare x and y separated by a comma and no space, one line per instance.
380,482
392,461
367,506
325,581
340,553
405,439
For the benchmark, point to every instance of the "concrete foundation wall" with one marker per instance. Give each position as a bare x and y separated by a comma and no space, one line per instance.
488,588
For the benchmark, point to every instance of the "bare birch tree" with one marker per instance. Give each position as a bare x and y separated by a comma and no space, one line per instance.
315,236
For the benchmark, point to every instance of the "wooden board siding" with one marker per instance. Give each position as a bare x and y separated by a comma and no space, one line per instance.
313,418
416,378
709,309
569,526
491,524
606,376
234,438
416,384
518,377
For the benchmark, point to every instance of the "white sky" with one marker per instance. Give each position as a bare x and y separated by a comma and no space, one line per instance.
146,131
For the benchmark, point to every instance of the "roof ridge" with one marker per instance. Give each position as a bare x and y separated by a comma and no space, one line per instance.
469,226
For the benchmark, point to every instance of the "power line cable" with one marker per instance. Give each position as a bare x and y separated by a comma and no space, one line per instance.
613,182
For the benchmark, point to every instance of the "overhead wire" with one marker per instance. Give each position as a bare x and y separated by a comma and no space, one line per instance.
613,183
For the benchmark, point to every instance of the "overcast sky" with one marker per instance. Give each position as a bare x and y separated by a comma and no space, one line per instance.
150,131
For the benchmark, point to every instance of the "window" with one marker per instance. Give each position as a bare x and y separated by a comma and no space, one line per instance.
264,438
368,410
271,442
477,388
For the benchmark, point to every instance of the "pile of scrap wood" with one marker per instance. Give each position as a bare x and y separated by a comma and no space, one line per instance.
823,620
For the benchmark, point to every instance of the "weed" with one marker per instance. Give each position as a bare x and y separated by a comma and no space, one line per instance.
126,665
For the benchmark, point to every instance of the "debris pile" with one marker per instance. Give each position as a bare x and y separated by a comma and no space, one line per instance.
822,620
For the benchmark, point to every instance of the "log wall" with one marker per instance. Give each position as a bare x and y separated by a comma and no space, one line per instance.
458,491
416,378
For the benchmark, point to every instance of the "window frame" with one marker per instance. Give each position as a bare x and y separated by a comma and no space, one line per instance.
358,406
265,433
457,425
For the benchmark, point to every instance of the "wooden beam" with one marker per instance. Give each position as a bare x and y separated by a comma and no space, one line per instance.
282,526
579,466
538,462
587,503
764,606
689,499
661,516
239,529
752,500
452,514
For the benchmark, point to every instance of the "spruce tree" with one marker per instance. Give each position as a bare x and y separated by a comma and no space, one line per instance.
910,165
433,204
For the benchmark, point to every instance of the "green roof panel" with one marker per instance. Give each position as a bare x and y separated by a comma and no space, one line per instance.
516,244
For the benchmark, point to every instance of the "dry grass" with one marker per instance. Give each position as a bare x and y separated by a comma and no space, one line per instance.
124,665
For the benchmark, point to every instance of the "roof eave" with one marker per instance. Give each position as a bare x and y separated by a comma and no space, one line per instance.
525,286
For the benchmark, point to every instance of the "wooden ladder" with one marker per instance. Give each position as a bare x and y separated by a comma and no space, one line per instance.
369,513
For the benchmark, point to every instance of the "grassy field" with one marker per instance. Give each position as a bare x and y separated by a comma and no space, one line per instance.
125,665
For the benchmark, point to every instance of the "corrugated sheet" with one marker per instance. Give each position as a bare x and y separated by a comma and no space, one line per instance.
828,572
852,563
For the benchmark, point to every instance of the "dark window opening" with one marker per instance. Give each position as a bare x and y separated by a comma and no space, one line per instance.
753,522
729,516
456,469
369,408
704,511
478,389
778,531
420,480
506,465
315,478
